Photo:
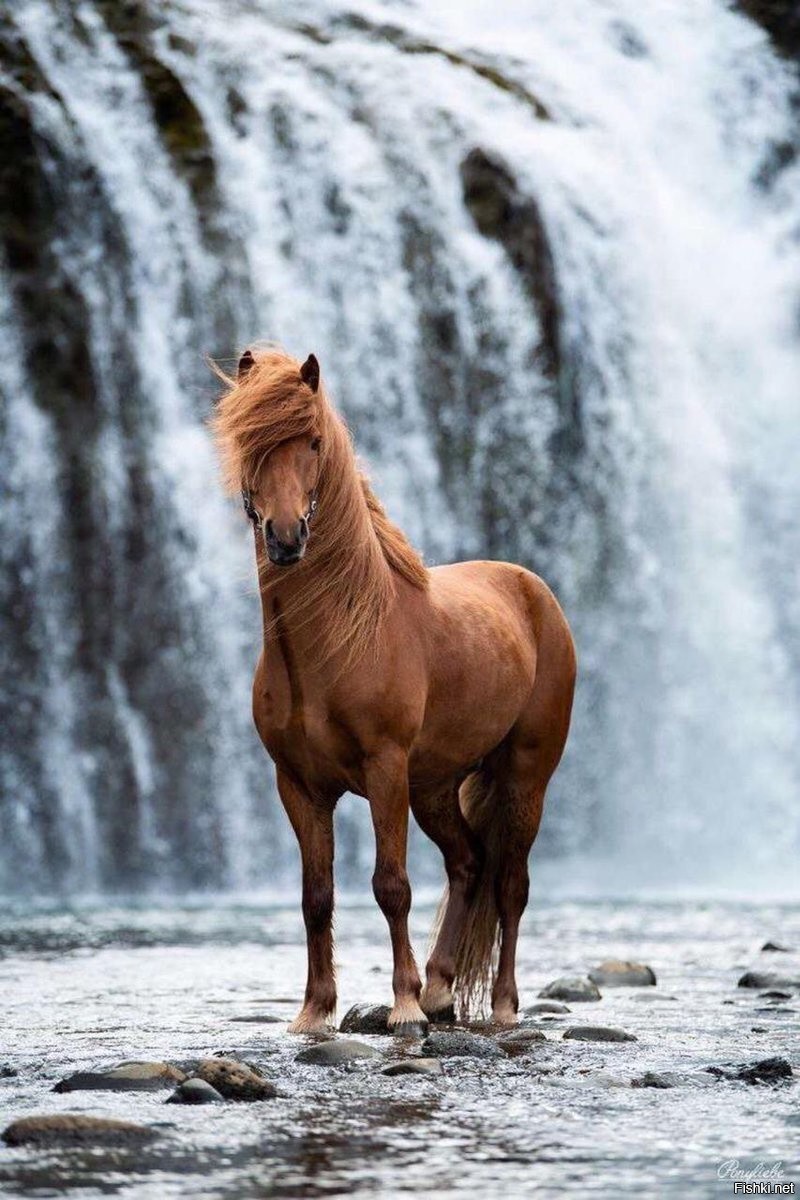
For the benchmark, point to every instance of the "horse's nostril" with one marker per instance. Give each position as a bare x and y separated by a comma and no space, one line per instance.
303,537
268,528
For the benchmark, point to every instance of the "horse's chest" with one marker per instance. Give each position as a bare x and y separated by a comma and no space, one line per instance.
298,727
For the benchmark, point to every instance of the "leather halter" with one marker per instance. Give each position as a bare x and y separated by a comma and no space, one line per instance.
252,515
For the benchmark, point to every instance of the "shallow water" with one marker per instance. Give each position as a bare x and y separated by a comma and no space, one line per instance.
93,986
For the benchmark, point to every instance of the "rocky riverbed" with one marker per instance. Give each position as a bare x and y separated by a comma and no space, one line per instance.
655,1088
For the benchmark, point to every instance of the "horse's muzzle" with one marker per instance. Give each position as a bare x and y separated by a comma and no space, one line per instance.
285,554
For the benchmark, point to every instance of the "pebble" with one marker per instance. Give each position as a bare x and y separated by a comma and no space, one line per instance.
574,988
775,947
598,1033
545,1006
460,1044
415,1066
766,1070
615,972
767,979
335,1051
235,1080
517,1041
195,1091
366,1018
71,1129
651,1079
127,1077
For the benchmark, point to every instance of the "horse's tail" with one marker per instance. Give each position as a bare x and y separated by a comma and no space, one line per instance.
477,949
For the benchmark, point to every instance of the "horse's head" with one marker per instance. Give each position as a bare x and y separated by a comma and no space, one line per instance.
281,500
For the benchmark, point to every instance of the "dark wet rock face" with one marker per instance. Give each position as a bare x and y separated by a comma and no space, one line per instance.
768,979
335,1052
196,1091
415,1066
128,1077
617,973
366,1018
67,1129
573,988
765,1071
235,1080
598,1033
774,948
460,1044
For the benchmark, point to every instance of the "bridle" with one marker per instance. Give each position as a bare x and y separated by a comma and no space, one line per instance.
252,515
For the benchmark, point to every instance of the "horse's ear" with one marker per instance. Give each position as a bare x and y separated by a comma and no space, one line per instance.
246,362
309,372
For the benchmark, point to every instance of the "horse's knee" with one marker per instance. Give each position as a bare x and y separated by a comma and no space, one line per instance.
392,890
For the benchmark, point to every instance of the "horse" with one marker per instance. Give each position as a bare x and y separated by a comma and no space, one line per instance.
446,692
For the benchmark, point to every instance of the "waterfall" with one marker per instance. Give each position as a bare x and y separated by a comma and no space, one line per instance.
548,258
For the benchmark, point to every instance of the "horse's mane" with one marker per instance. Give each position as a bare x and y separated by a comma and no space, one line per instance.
355,552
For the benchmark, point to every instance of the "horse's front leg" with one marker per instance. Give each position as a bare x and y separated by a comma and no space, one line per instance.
387,791
312,821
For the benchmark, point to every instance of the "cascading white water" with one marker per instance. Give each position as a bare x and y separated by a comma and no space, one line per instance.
211,173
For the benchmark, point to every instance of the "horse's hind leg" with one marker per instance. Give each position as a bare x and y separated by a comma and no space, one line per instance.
440,817
313,824
524,812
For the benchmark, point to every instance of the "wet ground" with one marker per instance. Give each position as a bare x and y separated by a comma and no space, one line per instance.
95,986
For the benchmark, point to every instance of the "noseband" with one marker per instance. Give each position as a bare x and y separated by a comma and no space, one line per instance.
252,515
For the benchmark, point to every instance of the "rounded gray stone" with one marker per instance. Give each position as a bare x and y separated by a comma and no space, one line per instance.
70,1129
366,1018
598,1033
545,1006
767,979
615,972
460,1044
573,988
335,1051
415,1066
196,1091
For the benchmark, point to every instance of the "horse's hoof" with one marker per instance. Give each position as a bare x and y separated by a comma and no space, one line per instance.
443,1016
415,1029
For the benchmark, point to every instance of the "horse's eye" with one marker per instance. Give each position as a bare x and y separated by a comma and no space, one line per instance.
316,443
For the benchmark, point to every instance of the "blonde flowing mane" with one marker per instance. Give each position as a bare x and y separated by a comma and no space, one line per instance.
355,553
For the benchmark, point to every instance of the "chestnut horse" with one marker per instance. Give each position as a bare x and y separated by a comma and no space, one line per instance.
446,690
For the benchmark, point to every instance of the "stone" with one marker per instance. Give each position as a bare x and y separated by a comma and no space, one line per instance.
415,1066
574,988
545,1006
615,972
774,947
651,1079
460,1044
127,1077
766,1070
258,1019
366,1018
235,1080
195,1091
517,1041
598,1033
774,994
767,979
74,1129
335,1052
